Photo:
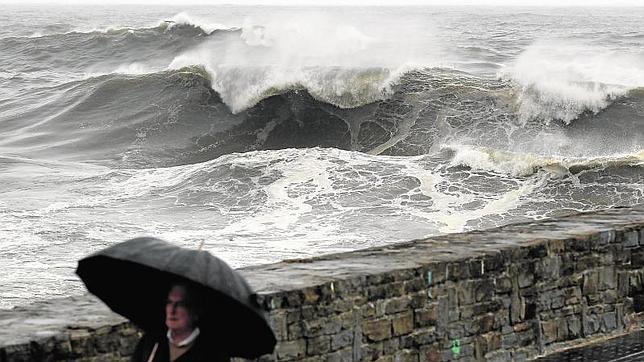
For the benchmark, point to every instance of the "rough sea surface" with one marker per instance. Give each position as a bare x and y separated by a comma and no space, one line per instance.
274,133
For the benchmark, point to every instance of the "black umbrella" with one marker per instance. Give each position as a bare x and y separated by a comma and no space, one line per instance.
133,278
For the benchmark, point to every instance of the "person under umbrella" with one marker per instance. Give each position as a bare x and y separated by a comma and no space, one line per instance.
181,342
210,312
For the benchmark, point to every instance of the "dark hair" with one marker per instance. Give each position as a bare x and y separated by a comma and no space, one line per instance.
194,299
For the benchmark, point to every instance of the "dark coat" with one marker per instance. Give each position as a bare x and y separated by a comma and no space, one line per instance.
197,353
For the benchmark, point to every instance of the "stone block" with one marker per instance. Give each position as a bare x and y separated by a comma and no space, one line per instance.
368,310
346,321
292,315
82,343
391,346
342,339
277,321
465,293
419,300
634,283
380,278
295,331
376,292
485,344
486,323
562,329
609,322
587,263
503,284
509,341
426,316
477,268
484,307
525,278
406,356
414,285
521,327
396,305
322,326
310,295
548,268
590,325
458,270
443,313
384,291
471,327
309,312
456,330
345,354
517,309
430,354
286,350
609,296
402,323
371,351
607,278
538,251
590,282
579,244
527,338
631,238
637,258
377,330
342,305
438,273
318,345
574,326
559,301
498,356
418,338
388,358
484,290
291,299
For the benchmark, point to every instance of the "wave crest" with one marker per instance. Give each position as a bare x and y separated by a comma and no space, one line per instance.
336,62
183,19
526,164
561,81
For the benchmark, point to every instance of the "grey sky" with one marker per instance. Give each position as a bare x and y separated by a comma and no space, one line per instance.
349,2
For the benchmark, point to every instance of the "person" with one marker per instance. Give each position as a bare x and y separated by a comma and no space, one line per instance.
181,341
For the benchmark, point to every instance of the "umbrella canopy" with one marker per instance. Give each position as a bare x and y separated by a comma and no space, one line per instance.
133,278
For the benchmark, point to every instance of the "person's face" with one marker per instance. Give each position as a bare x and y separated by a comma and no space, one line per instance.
177,313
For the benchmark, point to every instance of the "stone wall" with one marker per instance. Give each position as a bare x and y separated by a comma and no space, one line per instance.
513,292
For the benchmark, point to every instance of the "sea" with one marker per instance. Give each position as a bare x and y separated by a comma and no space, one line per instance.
268,133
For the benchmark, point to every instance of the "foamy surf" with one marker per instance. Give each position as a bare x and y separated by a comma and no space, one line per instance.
525,164
560,80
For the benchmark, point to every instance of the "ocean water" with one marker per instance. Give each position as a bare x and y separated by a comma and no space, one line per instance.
273,133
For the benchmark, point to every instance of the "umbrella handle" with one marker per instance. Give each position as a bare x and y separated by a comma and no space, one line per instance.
154,351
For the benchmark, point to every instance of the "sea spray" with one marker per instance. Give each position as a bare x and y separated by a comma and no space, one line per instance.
560,80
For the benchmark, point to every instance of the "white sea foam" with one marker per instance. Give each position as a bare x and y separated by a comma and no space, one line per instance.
524,164
561,79
183,18
337,61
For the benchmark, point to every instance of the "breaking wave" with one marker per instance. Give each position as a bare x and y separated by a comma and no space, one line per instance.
525,164
559,80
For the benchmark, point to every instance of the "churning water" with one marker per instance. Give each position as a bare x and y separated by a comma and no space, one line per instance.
273,133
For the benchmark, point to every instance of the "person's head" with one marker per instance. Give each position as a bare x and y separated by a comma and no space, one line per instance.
181,309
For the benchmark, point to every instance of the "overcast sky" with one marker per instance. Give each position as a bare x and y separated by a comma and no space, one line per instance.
348,2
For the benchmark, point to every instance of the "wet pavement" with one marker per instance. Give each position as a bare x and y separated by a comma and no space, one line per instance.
629,347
